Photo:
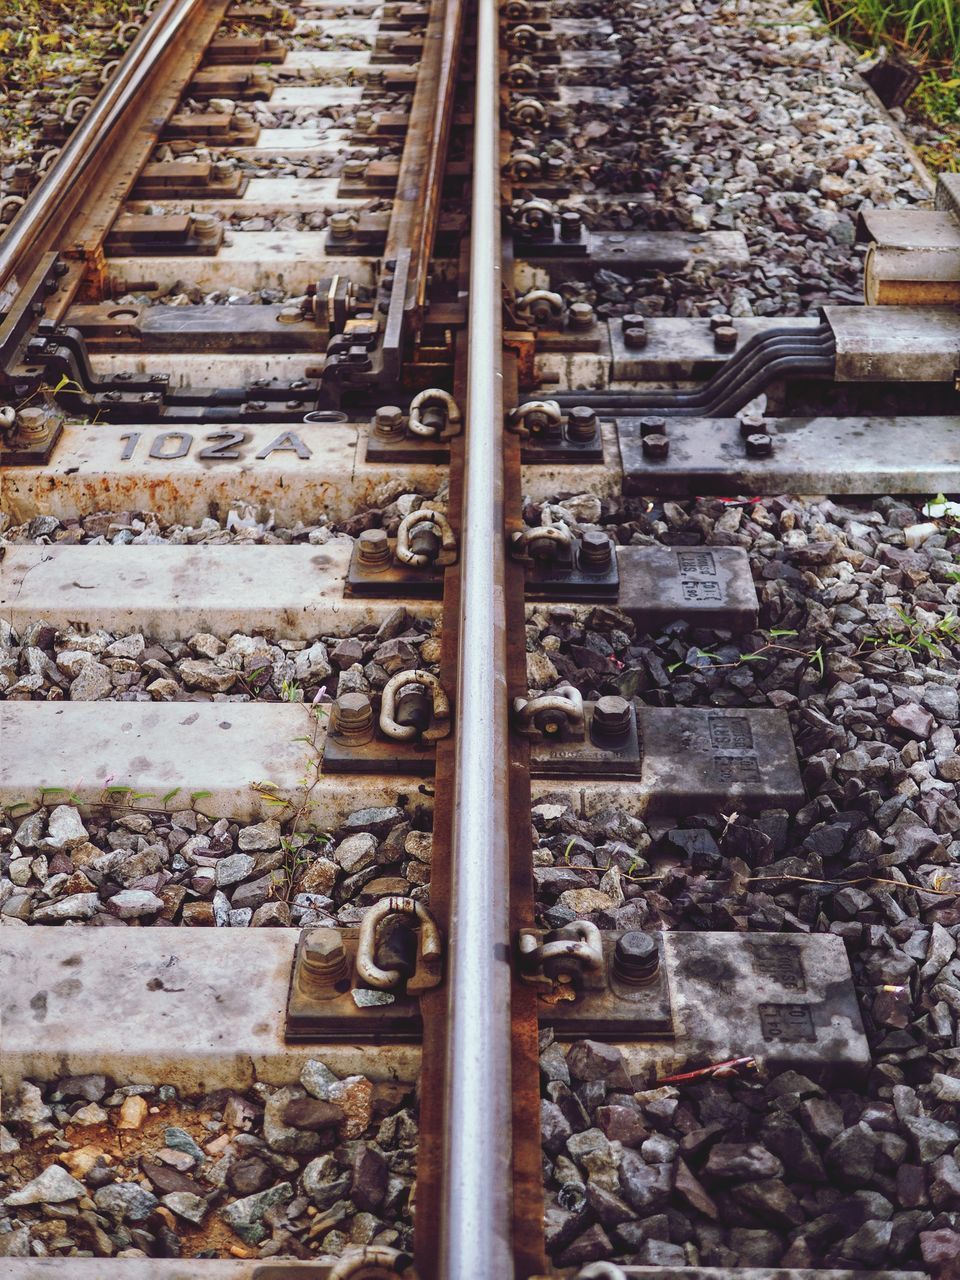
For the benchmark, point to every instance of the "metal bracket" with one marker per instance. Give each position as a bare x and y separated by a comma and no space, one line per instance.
608,745
375,571
414,714
365,983
784,999
559,564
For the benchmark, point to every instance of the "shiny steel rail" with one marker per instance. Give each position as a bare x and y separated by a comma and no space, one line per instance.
52,202
476,1205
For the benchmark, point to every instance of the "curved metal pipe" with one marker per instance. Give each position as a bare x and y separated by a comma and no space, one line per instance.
764,356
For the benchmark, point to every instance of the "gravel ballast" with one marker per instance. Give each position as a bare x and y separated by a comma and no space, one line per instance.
313,1169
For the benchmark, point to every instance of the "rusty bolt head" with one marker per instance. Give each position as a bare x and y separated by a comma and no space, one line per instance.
633,321
596,551
651,426
388,420
721,322
759,445
571,226
611,717
750,423
636,958
353,714
725,337
324,959
340,225
373,549
655,446
355,167
635,339
581,423
581,315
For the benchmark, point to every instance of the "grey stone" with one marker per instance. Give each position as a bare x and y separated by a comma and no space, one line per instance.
245,1217
179,1140
53,1186
130,904
356,852
92,682
284,1137
931,1138
78,906
233,869
65,830
262,835
186,1205
125,1201
645,1186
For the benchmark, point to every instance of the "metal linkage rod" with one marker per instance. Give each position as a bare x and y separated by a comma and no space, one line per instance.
475,1227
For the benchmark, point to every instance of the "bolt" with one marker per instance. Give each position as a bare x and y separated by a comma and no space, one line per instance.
636,958
633,321
340,225
581,315
596,551
255,406
354,168
553,167
750,423
364,122
725,337
611,718
653,426
655,446
635,339
323,959
353,717
571,226
373,550
205,227
721,322
388,421
581,423
32,422
289,315
759,445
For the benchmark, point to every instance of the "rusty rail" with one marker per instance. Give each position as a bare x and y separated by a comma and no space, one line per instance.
416,204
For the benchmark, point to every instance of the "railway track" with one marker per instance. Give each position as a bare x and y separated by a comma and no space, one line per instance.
343,523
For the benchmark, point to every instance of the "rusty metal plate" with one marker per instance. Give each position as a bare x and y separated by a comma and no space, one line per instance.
545,581
381,755
395,582
35,454
705,586
588,759
536,451
853,455
786,999
406,449
351,1014
697,758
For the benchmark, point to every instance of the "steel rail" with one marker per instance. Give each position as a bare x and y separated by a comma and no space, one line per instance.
415,212
476,1197
59,191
